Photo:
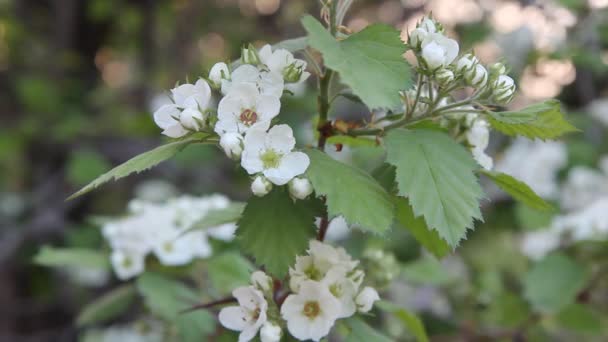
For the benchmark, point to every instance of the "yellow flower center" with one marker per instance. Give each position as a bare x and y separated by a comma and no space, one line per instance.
270,159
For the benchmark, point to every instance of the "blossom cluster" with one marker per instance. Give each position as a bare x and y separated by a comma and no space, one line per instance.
439,60
584,197
324,285
249,101
163,229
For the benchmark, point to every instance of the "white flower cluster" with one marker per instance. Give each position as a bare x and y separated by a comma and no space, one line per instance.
161,229
250,100
325,285
584,196
438,58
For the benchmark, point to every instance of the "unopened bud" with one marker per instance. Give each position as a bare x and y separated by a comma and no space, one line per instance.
192,119
261,186
249,55
444,77
270,332
498,69
300,188
260,280
218,72
503,89
466,63
232,144
366,298
477,77
293,73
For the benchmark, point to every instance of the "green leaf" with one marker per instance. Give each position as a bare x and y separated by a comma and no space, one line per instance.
219,217
532,219
412,322
580,318
426,236
438,176
274,229
138,164
352,141
71,257
108,306
350,192
229,271
553,283
370,62
362,332
518,190
166,298
543,120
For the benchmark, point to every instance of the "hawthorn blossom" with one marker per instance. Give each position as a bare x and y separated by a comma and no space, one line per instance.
283,63
312,312
270,153
421,31
267,83
366,298
187,112
249,316
478,136
245,107
218,73
438,50
343,288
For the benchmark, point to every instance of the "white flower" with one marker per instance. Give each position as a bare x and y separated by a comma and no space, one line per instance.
219,72
270,153
176,249
249,316
261,186
270,332
300,188
260,280
503,89
268,83
245,107
438,50
327,256
366,298
232,143
127,265
311,313
193,99
283,63
422,30
343,288
477,77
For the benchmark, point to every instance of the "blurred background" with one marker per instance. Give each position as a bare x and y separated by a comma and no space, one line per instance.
80,79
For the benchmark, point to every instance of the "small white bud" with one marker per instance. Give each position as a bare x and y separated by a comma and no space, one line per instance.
232,144
416,37
428,24
261,186
300,188
249,55
503,89
477,77
270,332
192,119
466,63
218,72
260,280
366,298
444,77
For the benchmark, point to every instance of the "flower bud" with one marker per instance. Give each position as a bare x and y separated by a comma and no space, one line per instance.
366,298
444,77
466,63
477,77
232,143
192,119
300,188
503,89
218,72
416,37
293,73
498,69
249,55
260,280
429,25
261,186
270,332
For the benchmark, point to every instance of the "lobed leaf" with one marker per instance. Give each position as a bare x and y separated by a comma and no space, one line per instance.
437,175
518,190
370,61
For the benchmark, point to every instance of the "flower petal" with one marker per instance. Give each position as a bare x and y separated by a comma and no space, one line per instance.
271,83
267,107
280,138
233,318
265,53
175,131
165,115
292,164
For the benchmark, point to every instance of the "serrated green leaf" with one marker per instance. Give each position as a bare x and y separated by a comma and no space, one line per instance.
518,190
274,229
553,283
426,236
219,217
362,332
543,120
108,306
229,271
350,192
166,298
138,164
370,62
438,177
412,322
71,257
